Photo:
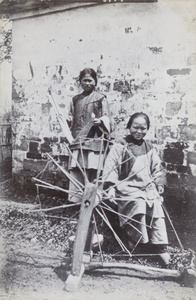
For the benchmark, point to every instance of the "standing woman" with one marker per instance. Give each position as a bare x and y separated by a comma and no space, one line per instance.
90,120
135,177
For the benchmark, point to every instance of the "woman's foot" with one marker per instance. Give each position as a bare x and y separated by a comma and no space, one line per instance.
163,253
165,258
140,248
131,245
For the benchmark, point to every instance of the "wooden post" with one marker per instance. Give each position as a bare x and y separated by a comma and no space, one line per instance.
78,261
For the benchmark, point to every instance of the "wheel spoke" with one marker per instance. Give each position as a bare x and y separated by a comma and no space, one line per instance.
77,163
101,160
104,177
41,173
56,207
107,207
47,185
83,162
96,230
121,181
78,184
104,217
43,182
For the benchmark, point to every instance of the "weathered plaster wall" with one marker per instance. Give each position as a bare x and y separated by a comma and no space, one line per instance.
5,111
146,60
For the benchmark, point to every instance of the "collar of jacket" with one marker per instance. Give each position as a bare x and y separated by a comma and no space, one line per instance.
131,140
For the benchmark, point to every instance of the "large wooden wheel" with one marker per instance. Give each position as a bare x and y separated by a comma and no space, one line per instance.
94,202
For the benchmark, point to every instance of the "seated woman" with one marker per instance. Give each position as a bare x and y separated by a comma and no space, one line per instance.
135,177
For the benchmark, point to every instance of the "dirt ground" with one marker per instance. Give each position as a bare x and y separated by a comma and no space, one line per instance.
32,263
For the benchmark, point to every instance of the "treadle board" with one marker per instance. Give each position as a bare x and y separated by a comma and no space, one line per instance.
187,275
145,271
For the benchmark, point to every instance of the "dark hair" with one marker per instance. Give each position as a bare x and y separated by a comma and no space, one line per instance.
89,71
136,115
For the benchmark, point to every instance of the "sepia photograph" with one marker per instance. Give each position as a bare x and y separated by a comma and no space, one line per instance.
97,149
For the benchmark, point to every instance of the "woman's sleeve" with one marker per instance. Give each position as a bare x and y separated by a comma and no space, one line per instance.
106,115
70,114
157,169
71,109
112,163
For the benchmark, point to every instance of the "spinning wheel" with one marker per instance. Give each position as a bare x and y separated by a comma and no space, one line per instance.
93,203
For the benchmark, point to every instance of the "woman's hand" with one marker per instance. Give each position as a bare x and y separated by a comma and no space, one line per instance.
98,198
97,121
111,194
69,118
160,189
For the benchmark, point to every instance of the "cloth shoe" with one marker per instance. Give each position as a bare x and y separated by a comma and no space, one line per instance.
164,258
163,253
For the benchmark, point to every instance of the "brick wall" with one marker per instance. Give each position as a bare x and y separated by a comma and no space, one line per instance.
145,58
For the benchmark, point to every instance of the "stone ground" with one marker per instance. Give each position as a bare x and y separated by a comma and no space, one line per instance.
44,281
